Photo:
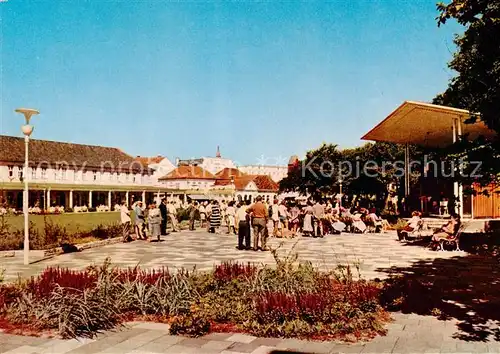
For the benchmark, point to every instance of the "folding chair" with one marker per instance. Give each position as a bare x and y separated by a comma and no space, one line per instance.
454,240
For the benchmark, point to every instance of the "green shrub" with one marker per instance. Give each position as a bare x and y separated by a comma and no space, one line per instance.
192,324
400,224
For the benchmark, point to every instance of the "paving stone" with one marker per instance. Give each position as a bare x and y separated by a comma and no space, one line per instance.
241,338
193,342
270,342
471,347
218,345
243,347
168,340
24,349
153,347
319,347
448,346
154,326
60,347
263,350
107,342
180,349
292,344
347,348
6,347
217,336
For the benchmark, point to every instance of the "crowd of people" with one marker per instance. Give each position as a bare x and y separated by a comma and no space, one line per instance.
257,220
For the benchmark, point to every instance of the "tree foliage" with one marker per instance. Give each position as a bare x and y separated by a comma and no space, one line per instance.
476,87
366,170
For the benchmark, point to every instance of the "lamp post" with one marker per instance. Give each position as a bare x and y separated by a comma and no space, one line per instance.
27,129
340,193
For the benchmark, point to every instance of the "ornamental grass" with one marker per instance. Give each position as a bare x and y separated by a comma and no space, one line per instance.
290,299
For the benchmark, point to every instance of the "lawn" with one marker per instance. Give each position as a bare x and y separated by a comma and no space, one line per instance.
72,221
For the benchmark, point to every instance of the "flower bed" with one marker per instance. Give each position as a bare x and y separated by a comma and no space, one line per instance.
289,300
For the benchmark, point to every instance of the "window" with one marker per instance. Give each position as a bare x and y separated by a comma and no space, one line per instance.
61,173
84,175
94,174
134,179
33,173
11,171
44,173
20,172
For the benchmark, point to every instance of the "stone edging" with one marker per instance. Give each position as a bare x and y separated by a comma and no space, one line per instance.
59,250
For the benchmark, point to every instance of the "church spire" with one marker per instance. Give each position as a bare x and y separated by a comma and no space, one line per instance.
218,152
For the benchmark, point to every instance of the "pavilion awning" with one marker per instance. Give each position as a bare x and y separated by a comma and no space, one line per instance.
425,124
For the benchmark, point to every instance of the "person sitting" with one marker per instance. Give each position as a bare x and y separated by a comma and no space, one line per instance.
447,231
378,222
337,225
357,222
411,226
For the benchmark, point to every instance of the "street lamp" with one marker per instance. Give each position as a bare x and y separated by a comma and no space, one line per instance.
27,129
340,193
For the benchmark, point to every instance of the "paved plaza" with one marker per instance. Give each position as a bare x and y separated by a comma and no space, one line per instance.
471,329
372,252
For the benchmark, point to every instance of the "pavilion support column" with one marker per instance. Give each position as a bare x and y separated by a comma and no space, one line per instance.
126,199
47,206
144,197
407,171
460,170
456,188
109,200
90,199
71,199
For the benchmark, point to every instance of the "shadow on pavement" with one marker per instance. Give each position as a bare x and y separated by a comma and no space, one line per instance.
464,288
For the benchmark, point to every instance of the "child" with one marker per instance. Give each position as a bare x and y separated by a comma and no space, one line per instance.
154,221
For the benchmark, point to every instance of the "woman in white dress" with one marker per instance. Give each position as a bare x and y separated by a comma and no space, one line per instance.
230,217
307,228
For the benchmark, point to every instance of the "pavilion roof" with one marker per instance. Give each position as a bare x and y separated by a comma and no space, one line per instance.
425,124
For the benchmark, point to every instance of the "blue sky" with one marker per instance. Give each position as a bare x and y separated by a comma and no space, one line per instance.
177,79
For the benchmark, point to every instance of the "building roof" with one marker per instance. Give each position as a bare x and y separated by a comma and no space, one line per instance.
146,161
56,153
266,183
263,182
228,173
188,172
425,124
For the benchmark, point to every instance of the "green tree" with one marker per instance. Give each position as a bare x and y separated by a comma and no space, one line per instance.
476,87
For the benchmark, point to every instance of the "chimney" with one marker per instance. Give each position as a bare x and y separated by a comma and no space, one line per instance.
218,152
177,161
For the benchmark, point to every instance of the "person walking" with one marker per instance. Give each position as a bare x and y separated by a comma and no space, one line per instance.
139,221
203,214
163,212
172,214
275,217
193,208
215,217
243,220
260,216
319,216
125,221
283,213
208,210
154,221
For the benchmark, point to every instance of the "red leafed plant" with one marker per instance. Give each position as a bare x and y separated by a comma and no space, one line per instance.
231,270
71,280
149,277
